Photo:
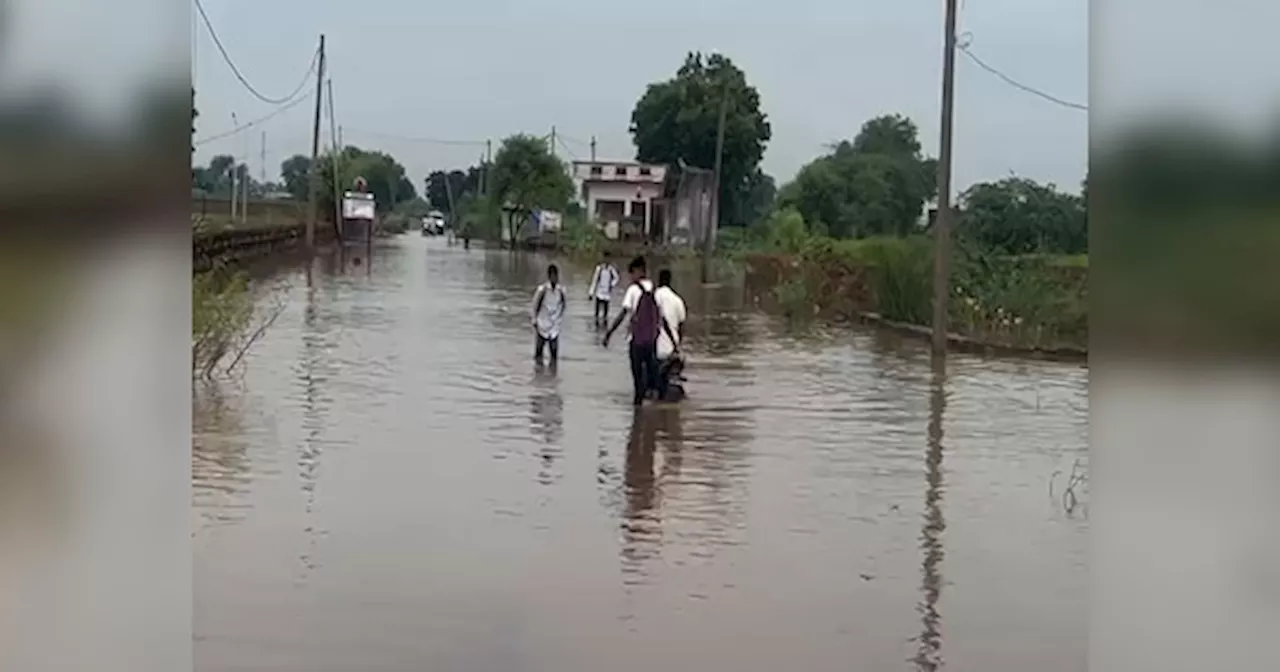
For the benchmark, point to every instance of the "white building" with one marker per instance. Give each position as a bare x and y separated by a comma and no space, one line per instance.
620,195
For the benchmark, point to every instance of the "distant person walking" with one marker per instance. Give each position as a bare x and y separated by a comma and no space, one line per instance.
603,281
548,315
641,306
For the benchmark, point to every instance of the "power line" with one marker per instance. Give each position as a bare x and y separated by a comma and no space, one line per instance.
236,71
246,126
963,46
565,147
406,138
572,139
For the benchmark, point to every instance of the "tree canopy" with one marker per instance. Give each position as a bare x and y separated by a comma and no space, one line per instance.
462,183
295,173
385,176
875,185
677,120
1020,216
526,176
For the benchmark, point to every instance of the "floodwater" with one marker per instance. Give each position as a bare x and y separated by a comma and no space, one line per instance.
393,486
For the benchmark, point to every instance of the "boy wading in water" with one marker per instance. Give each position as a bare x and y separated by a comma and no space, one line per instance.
548,315
603,281
646,323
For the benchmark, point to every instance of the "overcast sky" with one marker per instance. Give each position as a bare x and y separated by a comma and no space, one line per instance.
487,68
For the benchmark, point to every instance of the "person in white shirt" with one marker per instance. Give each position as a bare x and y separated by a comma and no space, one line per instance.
603,281
640,303
670,358
548,315
673,311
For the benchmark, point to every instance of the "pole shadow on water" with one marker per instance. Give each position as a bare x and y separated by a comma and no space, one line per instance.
313,414
928,656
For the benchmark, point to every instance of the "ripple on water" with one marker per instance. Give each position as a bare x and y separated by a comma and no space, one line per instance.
394,463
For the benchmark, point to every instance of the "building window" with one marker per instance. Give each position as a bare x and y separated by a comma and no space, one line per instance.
620,171
597,171
645,172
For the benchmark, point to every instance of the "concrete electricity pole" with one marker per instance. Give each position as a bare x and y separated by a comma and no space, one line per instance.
593,148
942,225
708,236
315,154
235,174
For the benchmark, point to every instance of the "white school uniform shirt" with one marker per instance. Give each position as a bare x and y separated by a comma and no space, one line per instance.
603,281
549,318
672,308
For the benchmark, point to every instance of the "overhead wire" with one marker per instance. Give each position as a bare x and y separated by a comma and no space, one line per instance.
213,33
963,44
406,138
250,124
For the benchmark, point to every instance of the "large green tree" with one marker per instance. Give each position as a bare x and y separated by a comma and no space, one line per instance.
1021,216
526,176
295,173
875,185
677,120
439,183
384,175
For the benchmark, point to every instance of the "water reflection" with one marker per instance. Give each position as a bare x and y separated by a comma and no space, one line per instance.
220,467
546,420
929,654
641,525
314,410
794,466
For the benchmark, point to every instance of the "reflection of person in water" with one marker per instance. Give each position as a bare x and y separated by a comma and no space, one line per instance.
546,422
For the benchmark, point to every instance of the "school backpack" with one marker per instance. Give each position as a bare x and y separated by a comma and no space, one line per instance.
647,319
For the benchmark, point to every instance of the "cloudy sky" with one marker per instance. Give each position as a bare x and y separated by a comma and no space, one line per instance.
405,71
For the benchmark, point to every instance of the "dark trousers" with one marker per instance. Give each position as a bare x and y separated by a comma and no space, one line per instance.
547,343
602,310
644,371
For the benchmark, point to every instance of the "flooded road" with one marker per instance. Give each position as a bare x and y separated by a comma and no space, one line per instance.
392,486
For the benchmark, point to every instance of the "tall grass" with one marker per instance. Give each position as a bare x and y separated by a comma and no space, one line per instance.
226,320
1037,301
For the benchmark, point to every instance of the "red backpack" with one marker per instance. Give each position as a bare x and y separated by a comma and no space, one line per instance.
647,319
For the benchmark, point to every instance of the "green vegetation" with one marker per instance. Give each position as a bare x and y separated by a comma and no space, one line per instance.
675,122
225,322
848,236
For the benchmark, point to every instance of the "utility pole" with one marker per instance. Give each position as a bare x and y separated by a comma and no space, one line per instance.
553,140
235,176
337,175
315,153
942,224
264,158
341,144
708,236
484,167
593,148
244,184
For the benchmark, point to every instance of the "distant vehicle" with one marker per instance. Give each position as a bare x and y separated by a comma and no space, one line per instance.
433,224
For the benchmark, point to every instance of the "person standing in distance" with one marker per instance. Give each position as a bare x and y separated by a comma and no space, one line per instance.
603,281
548,315
639,304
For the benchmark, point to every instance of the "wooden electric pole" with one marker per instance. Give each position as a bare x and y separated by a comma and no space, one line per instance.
315,153
942,224
708,234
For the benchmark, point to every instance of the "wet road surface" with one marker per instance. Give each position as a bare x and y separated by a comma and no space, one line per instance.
393,486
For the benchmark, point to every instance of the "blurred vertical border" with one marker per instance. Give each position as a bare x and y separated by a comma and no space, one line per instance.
1184,200
95,557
